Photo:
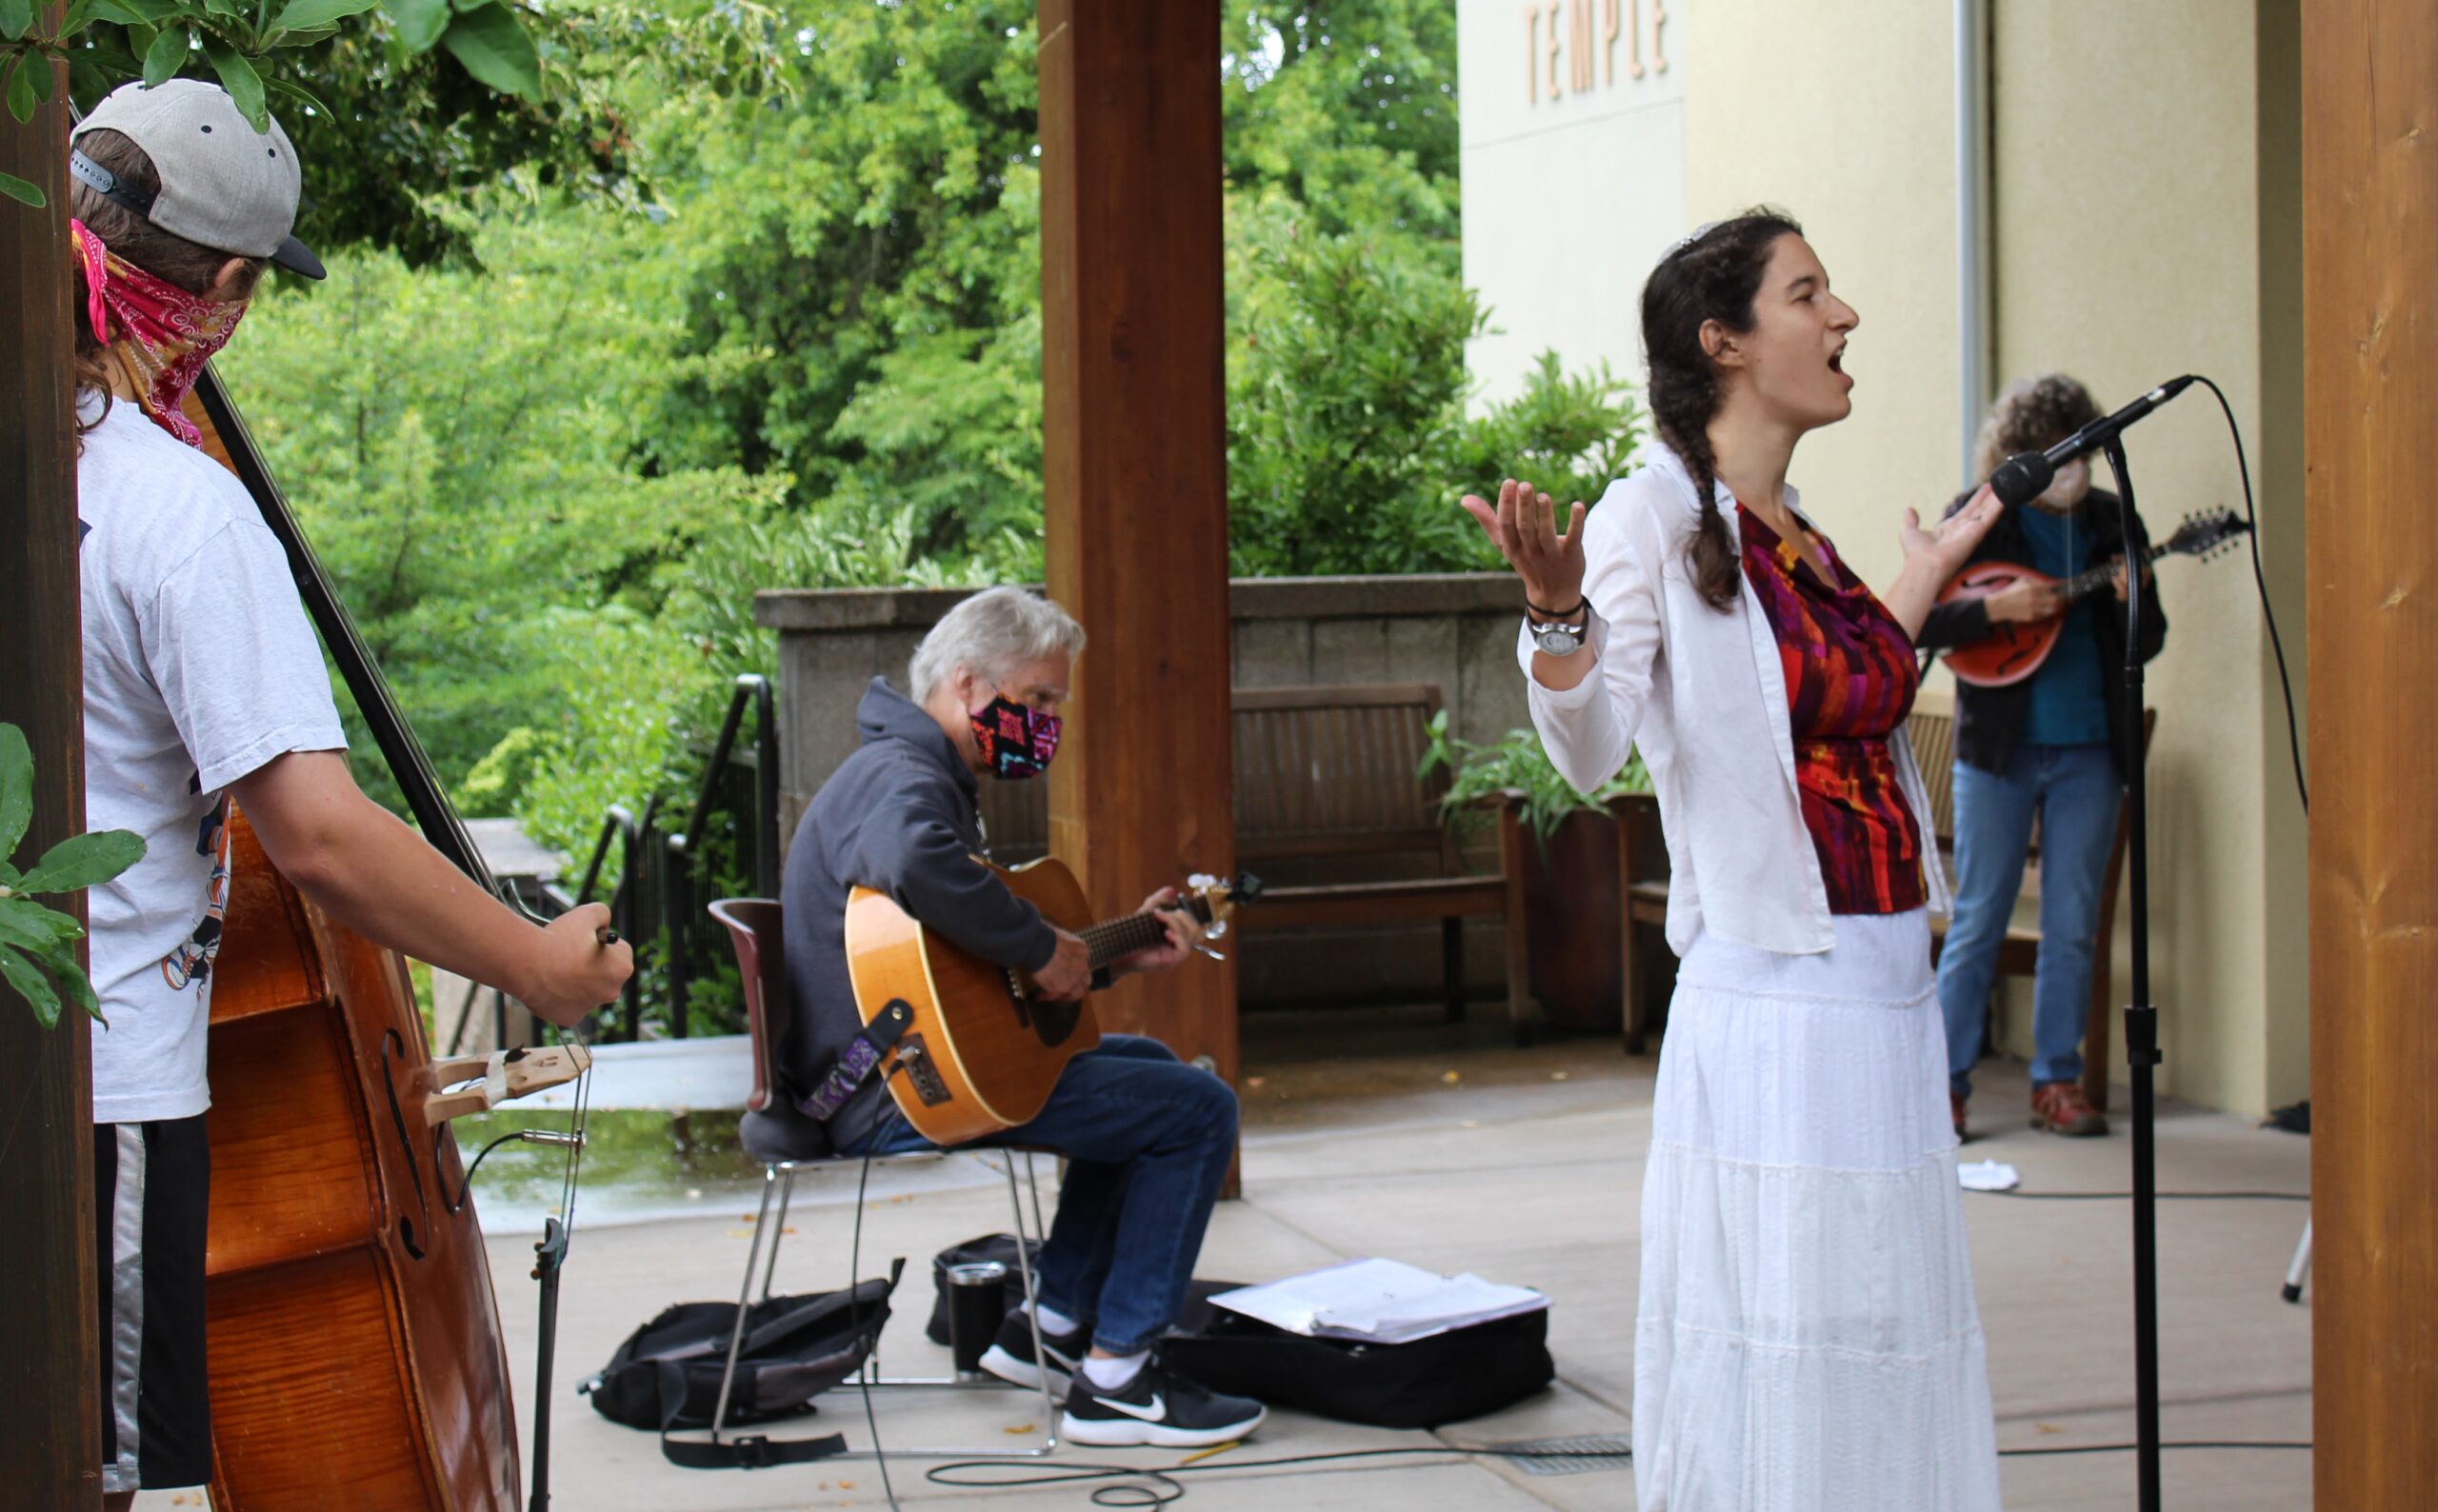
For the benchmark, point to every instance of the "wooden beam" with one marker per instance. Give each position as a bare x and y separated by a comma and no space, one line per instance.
1135,470
50,1436
2370,384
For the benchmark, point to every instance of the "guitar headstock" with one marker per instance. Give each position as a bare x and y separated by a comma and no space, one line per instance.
2206,533
1211,900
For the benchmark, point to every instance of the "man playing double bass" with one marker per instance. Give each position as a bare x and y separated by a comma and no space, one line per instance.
203,684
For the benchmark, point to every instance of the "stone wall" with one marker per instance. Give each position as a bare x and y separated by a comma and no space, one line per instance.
1456,629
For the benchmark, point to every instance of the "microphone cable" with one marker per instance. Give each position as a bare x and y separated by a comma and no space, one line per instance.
2260,583
1158,1487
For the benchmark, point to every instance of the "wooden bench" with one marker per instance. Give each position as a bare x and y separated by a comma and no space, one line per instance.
1326,785
1332,772
1642,862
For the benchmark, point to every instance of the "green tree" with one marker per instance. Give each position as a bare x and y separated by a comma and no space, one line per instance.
1349,108
254,52
461,464
863,285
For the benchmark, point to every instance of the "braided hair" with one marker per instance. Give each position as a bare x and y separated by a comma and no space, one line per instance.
1714,274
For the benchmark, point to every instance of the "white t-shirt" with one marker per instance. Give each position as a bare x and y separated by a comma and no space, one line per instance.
199,668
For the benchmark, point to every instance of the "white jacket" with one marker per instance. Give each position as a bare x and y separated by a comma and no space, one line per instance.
1704,694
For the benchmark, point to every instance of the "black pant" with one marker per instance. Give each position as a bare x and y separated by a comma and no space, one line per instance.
151,1198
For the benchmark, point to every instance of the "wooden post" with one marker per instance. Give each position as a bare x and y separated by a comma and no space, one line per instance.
50,1436
1135,470
2370,380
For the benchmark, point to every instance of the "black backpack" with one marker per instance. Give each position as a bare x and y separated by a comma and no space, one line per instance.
667,1374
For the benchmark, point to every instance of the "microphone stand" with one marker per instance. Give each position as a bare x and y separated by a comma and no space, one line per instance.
2141,1028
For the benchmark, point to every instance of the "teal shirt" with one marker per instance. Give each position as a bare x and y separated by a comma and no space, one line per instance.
2068,693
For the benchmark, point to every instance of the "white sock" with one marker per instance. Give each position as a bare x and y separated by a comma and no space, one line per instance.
1112,1374
1052,1321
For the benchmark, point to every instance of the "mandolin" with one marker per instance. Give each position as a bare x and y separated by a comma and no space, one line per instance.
979,1052
2015,650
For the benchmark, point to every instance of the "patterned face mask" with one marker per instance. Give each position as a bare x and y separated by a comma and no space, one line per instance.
1016,741
167,333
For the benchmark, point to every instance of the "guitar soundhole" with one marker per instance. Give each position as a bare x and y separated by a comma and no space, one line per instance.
1056,1022
1053,1024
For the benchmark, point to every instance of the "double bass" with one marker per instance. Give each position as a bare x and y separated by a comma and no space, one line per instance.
356,1358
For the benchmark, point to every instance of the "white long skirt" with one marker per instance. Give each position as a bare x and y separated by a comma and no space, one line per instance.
1807,1339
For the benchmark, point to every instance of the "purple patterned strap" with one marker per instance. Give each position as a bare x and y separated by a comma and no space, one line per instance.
859,1060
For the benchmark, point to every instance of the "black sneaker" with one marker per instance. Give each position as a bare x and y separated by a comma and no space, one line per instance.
1011,1357
1157,1407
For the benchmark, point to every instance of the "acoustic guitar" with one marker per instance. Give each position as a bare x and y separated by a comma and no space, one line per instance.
980,1052
2014,650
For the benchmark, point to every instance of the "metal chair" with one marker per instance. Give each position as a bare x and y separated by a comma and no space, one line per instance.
773,1131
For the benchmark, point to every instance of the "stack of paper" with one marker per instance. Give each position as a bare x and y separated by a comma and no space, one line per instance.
1379,1302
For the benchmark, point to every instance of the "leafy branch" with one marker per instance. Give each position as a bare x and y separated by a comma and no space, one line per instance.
38,945
237,42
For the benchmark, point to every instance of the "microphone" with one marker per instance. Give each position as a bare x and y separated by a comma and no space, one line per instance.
2021,478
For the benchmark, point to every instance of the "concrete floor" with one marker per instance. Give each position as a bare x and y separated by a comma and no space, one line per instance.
1389,1133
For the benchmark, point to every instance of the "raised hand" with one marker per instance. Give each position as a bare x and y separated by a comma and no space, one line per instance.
1522,525
1951,542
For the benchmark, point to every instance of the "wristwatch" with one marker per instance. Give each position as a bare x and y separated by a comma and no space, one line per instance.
1555,636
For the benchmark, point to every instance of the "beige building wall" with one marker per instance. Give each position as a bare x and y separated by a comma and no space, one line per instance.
1572,125
1844,114
2145,221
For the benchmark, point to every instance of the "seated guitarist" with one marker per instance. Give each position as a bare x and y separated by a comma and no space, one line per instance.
2053,745
1147,1138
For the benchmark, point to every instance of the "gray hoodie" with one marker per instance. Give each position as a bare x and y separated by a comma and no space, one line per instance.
898,816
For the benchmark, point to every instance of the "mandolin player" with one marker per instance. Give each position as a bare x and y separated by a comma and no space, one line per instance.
1147,1138
202,682
2052,747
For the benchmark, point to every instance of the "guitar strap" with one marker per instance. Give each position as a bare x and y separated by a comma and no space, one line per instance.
858,1061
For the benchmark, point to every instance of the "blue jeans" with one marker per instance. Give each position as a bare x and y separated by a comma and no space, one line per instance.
2074,790
1147,1140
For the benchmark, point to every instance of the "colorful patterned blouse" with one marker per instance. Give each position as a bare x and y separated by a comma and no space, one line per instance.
1850,679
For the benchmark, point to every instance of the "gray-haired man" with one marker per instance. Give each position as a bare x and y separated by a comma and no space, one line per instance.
1147,1138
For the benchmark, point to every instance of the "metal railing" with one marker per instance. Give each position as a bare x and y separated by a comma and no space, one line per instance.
655,897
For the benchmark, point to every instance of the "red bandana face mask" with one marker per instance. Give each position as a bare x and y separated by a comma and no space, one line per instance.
167,333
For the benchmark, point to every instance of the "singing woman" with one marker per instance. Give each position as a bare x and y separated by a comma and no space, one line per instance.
1807,1339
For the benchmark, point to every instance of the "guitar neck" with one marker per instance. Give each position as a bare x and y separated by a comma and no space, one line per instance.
1123,937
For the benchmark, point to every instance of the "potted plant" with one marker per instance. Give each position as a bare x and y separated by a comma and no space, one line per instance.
37,944
1570,870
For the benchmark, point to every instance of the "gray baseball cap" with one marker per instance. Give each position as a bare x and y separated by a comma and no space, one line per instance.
224,184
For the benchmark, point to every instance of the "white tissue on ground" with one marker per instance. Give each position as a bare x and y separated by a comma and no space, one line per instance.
1988,1176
